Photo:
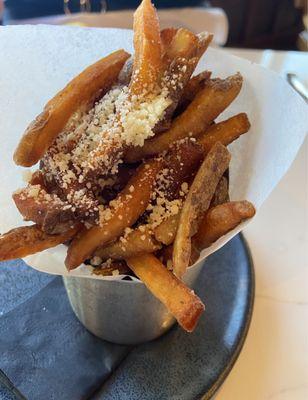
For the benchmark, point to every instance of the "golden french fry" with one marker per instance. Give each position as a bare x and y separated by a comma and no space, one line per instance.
225,132
194,85
183,159
147,67
180,60
25,240
123,212
46,210
206,106
196,203
220,220
147,71
140,242
166,36
165,232
82,90
181,301
136,242
184,44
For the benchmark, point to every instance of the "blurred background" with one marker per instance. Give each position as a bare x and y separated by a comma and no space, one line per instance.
258,24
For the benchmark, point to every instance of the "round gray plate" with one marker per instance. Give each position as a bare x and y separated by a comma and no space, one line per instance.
185,366
47,353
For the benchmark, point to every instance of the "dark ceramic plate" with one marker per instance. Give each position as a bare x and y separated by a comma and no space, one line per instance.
46,352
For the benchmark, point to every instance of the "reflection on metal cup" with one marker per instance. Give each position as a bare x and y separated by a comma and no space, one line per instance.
122,312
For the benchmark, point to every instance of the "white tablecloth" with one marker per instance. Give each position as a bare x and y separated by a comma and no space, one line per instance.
274,362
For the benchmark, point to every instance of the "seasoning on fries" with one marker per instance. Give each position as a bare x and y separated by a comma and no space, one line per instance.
133,166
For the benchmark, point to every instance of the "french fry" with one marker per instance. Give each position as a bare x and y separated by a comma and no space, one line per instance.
221,194
196,203
147,71
181,301
47,210
194,85
183,159
140,242
136,242
147,67
220,220
224,132
25,240
184,44
180,60
206,106
166,36
165,232
83,89
127,207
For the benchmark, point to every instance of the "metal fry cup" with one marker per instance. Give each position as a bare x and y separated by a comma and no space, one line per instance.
121,311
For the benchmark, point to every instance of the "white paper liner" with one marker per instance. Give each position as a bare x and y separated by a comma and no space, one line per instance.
37,61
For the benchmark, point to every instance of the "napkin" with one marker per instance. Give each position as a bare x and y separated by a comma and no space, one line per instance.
37,61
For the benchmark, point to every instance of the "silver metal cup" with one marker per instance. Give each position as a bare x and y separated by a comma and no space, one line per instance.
123,312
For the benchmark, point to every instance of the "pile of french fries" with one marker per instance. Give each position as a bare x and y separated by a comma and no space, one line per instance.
148,190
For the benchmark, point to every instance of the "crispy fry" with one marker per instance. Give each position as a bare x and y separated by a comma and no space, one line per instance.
140,242
145,80
83,89
136,242
195,84
225,132
221,194
184,44
220,220
183,40
147,68
206,106
182,160
196,203
123,212
166,231
181,301
46,210
166,36
25,240
180,60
